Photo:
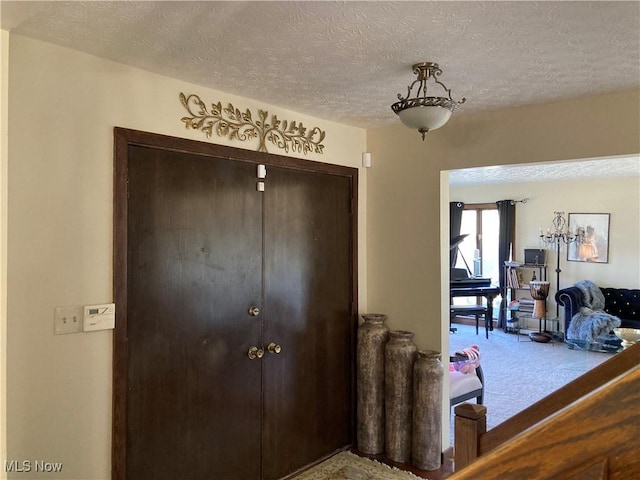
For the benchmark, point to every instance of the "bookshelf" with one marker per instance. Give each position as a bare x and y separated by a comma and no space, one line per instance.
518,302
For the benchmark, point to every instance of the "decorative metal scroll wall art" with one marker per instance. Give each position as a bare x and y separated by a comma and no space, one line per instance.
230,121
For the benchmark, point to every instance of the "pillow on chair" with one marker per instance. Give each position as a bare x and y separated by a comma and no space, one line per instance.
466,360
466,380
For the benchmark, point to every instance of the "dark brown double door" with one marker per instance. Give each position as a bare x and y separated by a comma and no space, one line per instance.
214,268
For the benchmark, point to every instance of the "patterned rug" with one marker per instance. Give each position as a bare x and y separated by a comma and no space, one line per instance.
347,466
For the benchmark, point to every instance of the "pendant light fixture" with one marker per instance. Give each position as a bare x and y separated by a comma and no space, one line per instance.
422,112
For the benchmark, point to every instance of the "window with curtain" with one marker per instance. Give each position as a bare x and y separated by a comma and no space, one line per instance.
479,250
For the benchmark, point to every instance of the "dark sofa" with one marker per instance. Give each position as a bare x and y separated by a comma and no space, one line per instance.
624,303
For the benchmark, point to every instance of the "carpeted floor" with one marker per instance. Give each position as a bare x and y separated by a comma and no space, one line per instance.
519,372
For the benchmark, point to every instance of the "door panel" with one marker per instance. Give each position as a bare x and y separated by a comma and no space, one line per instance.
195,246
308,386
194,269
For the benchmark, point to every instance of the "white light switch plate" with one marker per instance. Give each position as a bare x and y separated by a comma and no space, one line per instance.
67,320
99,317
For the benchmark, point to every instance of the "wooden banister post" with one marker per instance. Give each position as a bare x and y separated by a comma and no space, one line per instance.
470,423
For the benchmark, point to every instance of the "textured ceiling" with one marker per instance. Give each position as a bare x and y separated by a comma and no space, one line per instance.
549,171
347,61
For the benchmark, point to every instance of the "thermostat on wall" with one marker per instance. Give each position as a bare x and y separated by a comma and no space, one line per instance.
99,317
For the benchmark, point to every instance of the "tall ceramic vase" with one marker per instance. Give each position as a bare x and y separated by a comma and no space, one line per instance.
426,448
400,354
372,338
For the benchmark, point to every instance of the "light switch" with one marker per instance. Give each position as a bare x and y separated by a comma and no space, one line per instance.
99,317
67,320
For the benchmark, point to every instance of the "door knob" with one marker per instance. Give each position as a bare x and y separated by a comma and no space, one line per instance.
254,311
274,348
255,352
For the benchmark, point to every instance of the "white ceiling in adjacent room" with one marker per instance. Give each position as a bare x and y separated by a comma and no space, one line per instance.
547,171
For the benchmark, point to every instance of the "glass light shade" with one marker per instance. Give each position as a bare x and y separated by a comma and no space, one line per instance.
425,118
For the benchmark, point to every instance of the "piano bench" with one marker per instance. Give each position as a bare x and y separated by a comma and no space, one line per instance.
476,311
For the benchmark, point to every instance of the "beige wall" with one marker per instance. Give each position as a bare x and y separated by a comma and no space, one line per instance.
4,95
63,106
619,197
407,208
404,201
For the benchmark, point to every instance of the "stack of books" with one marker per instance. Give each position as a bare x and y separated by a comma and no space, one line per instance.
526,305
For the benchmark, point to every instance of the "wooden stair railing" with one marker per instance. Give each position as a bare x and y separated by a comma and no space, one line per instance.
588,429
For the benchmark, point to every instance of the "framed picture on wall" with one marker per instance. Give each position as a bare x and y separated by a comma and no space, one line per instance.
595,228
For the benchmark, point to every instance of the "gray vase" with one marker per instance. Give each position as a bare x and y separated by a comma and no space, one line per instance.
372,338
426,448
400,354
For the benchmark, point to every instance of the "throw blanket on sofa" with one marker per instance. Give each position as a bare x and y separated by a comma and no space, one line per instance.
591,321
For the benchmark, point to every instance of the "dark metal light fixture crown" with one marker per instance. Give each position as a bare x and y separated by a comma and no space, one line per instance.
422,112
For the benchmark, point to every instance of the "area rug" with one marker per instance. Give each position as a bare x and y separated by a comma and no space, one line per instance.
347,466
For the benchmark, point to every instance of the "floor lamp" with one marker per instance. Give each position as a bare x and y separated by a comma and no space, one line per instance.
556,238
